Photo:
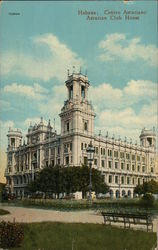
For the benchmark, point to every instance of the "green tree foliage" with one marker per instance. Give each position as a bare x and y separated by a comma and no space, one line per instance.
147,200
68,180
147,187
2,190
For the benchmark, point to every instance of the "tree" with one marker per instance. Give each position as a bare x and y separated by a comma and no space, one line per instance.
147,187
68,180
138,189
2,191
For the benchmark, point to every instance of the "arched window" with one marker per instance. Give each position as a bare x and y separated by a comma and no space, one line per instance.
117,194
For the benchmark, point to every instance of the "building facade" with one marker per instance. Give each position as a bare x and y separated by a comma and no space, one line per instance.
122,163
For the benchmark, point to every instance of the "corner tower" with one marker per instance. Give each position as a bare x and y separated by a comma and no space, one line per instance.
148,138
77,114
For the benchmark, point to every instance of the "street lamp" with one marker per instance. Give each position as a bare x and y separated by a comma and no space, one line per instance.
90,157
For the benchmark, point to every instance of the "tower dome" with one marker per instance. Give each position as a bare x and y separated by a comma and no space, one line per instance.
148,138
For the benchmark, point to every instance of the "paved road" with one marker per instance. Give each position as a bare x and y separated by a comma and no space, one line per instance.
21,214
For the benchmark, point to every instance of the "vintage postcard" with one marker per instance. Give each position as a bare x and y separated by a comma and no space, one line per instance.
78,120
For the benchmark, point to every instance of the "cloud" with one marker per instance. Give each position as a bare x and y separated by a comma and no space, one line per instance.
141,88
4,127
33,92
125,111
117,45
126,122
55,104
40,66
105,96
33,121
5,106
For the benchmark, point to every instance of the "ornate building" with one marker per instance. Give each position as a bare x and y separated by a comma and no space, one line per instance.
122,163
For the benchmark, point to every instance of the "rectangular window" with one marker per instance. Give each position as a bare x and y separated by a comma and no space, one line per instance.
138,168
52,163
95,162
133,157
128,180
116,179
13,142
71,92
127,156
127,167
143,169
67,126
85,126
96,150
82,146
138,158
85,161
83,91
65,148
122,155
71,146
103,151
67,160
109,152
110,178
102,163
116,154
116,164
122,180
110,164
122,165
133,167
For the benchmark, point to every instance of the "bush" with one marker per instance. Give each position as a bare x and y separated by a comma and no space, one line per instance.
147,200
11,234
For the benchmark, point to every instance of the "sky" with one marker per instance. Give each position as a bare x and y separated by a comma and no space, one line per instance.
40,40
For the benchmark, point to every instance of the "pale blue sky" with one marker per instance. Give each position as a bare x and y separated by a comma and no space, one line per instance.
38,46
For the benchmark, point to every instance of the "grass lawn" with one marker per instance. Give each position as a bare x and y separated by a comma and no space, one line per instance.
62,236
3,212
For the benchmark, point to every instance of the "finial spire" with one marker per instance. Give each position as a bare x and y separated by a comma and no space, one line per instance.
41,119
49,123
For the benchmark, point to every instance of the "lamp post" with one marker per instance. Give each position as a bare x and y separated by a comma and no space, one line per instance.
90,156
